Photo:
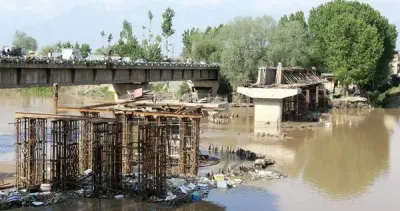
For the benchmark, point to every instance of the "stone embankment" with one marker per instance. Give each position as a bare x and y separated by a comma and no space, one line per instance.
350,103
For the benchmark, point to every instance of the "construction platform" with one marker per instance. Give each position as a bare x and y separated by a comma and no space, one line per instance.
131,139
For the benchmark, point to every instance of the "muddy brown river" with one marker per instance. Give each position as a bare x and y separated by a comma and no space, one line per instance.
351,164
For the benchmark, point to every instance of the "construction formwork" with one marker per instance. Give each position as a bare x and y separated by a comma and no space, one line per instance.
30,151
64,161
85,142
157,143
107,157
130,134
152,159
189,132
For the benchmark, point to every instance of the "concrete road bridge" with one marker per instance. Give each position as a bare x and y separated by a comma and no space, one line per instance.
123,76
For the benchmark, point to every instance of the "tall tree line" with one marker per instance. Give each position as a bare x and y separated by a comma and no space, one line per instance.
350,39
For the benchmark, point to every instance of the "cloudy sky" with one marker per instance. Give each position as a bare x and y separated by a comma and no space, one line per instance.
82,20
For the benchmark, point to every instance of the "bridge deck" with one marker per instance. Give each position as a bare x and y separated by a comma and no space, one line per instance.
19,75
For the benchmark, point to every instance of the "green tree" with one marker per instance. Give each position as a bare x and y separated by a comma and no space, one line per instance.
103,36
202,45
59,46
289,44
128,45
48,49
21,40
183,89
77,46
85,50
166,26
352,40
66,45
298,17
151,49
284,19
208,46
150,16
188,40
109,39
245,42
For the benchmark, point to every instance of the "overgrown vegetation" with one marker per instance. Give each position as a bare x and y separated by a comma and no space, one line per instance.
42,91
183,89
102,92
160,87
389,98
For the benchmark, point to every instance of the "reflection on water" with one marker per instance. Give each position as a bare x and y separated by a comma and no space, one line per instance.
347,159
347,166
219,200
352,165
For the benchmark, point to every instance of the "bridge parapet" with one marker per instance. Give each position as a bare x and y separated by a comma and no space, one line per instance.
21,62
21,72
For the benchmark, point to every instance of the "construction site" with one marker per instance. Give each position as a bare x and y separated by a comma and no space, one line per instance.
286,94
144,142
140,147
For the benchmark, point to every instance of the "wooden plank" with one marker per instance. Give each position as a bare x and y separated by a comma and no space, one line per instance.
100,110
138,113
54,116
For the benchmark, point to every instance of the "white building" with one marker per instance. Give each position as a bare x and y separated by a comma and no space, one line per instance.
71,54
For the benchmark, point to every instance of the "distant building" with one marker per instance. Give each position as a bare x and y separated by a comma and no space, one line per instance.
71,54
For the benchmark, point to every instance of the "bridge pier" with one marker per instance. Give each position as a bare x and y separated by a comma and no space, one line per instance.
205,87
120,90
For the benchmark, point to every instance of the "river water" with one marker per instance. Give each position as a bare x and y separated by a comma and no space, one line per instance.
352,164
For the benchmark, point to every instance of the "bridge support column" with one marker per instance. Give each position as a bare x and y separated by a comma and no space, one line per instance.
204,88
120,90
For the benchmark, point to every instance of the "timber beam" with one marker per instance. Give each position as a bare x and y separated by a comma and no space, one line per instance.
137,113
55,116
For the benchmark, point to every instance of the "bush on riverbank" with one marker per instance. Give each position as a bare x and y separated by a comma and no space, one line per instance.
388,99
42,91
102,92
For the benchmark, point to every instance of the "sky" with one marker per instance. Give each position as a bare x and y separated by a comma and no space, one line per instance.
50,21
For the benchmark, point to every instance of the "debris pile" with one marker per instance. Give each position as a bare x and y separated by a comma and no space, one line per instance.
140,94
278,136
22,198
180,190
255,171
218,118
304,125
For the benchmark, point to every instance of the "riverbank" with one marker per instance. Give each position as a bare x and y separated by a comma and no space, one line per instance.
180,189
98,91
390,98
